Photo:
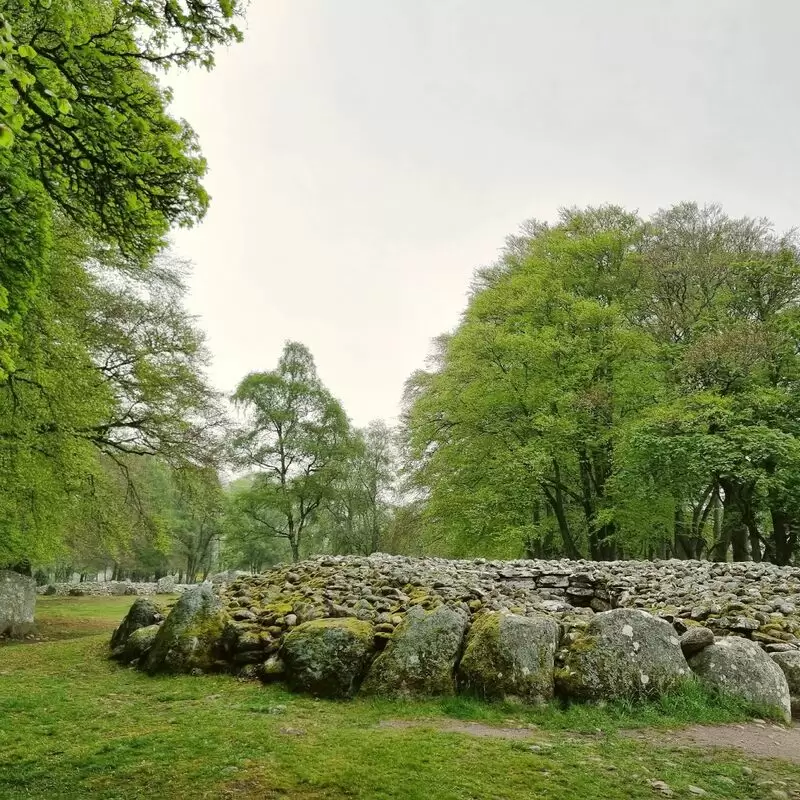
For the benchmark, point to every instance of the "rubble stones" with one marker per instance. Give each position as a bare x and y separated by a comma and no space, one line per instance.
113,588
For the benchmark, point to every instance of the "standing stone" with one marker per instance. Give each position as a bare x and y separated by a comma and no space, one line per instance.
166,585
17,603
739,667
509,656
190,640
623,654
789,662
328,657
421,656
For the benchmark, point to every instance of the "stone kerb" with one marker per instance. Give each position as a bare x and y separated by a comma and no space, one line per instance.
416,627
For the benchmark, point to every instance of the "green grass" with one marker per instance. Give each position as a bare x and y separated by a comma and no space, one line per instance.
69,617
74,725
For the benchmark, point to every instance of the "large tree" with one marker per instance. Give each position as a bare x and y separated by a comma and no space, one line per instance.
357,515
296,435
615,384
85,129
111,367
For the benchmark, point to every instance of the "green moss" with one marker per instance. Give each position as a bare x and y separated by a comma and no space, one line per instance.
508,656
584,644
328,657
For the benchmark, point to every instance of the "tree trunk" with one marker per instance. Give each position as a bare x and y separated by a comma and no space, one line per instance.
783,537
682,541
555,499
734,523
295,545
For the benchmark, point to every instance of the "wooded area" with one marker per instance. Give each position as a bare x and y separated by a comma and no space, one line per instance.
617,387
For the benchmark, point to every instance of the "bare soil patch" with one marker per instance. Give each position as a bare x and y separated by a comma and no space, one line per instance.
762,740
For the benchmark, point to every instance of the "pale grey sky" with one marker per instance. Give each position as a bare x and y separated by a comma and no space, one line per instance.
367,155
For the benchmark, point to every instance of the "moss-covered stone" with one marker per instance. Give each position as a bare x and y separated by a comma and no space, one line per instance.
421,656
509,656
137,645
191,637
328,657
142,613
623,654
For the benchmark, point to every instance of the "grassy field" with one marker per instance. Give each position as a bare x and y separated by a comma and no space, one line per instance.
74,725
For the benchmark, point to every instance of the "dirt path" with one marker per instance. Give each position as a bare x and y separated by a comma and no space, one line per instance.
762,740
759,739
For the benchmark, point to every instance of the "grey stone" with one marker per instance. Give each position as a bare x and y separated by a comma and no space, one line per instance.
420,658
328,657
623,654
789,662
190,638
742,669
142,614
17,603
695,639
509,656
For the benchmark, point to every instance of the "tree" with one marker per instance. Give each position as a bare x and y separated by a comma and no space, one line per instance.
84,130
296,435
198,519
514,427
111,367
244,544
615,385
358,513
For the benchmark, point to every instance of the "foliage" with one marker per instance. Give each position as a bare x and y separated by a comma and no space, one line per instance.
614,382
356,516
245,544
85,131
296,435
111,367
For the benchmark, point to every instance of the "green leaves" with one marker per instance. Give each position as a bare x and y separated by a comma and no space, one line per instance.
297,437
607,372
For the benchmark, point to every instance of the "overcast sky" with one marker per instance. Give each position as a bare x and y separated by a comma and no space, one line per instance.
367,155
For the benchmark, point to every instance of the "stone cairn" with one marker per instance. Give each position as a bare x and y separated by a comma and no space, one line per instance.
399,626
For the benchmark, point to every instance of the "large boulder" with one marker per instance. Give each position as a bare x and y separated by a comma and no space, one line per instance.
142,614
328,657
166,585
739,667
17,603
789,662
190,640
421,656
623,654
137,645
509,656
